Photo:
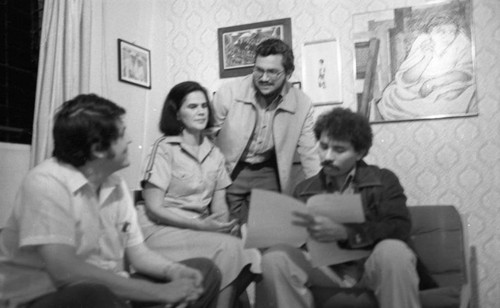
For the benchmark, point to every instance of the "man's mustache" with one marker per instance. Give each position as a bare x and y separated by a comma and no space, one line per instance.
327,163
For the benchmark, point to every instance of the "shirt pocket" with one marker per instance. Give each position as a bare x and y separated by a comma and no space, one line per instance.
183,183
112,244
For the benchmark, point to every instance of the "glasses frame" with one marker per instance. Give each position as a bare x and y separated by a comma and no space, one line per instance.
259,73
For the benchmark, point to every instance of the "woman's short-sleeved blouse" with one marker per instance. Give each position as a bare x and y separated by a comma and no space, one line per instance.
189,180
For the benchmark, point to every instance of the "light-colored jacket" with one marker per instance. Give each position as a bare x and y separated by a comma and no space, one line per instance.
234,108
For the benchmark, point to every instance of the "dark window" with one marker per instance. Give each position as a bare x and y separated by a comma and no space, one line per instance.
20,29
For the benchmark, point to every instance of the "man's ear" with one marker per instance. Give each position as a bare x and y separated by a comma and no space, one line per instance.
361,154
97,152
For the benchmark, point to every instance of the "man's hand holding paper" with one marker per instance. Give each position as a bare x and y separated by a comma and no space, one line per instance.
279,219
321,228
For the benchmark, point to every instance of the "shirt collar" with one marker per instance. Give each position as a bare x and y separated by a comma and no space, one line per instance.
331,185
76,180
206,146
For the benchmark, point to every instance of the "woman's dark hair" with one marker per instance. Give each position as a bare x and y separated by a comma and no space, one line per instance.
344,125
274,46
169,124
80,123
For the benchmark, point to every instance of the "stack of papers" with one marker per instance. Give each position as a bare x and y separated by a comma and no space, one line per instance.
270,223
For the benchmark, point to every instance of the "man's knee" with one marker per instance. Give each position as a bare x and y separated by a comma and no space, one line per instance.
393,253
211,273
285,262
277,256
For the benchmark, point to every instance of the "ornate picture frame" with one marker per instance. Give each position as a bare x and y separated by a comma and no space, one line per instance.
237,44
415,63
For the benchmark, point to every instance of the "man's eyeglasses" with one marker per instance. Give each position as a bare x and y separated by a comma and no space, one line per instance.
271,74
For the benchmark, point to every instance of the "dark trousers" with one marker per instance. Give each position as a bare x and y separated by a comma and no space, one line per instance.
82,295
92,295
246,177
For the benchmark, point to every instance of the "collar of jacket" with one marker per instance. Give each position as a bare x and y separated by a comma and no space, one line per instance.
247,95
366,176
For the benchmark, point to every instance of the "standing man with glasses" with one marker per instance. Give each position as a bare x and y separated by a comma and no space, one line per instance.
261,121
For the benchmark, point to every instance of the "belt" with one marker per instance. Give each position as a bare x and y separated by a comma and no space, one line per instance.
267,163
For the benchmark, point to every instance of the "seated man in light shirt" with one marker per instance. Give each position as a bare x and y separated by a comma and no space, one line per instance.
74,223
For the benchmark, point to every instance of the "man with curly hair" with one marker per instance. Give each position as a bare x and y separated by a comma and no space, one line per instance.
389,271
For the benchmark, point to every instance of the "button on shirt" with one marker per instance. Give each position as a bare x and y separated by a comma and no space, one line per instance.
56,205
261,145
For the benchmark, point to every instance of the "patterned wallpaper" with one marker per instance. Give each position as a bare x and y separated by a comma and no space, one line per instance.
447,161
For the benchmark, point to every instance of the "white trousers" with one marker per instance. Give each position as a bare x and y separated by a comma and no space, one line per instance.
390,272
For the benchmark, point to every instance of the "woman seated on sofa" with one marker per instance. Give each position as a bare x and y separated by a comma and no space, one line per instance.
185,212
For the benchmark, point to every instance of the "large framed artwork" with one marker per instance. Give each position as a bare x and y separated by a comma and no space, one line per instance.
237,44
321,72
415,63
134,64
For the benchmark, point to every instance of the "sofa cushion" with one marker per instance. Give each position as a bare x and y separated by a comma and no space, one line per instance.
446,297
438,241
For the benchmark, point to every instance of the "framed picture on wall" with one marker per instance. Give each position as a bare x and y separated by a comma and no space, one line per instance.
134,64
415,63
237,44
321,69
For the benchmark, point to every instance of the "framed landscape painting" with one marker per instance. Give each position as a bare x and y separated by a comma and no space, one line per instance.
237,44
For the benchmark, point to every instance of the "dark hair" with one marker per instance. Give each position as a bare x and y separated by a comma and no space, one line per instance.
169,124
275,46
81,122
344,125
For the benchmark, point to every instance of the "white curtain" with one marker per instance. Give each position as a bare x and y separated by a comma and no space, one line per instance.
70,35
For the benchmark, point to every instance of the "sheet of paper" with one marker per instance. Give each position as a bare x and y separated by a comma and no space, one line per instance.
342,209
339,208
270,223
270,220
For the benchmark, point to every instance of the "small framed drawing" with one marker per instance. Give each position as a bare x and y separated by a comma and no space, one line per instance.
297,84
134,64
237,44
321,72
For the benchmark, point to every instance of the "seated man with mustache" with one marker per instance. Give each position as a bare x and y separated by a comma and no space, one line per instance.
389,271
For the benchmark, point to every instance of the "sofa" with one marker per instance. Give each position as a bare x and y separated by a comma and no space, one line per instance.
440,240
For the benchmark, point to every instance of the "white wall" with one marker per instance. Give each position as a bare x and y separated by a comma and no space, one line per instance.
14,164
142,23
